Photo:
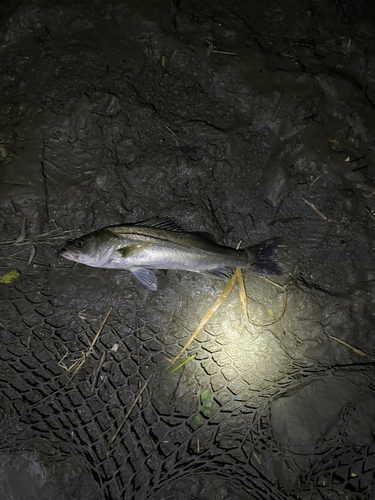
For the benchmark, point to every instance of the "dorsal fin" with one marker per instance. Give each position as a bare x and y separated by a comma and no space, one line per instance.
204,235
161,223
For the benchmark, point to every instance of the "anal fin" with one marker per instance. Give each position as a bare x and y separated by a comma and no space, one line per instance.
218,273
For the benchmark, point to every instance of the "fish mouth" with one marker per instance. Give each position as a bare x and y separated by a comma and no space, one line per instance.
68,254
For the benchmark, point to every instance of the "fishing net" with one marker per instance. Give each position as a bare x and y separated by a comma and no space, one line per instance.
204,431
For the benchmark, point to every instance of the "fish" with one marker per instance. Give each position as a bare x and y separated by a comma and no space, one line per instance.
160,243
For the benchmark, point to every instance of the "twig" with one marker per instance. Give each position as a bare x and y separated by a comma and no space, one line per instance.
318,211
315,209
223,52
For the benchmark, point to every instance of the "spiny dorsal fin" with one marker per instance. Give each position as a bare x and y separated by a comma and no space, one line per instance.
204,235
161,223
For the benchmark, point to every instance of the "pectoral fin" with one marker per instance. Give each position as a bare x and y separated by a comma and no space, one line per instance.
133,249
145,276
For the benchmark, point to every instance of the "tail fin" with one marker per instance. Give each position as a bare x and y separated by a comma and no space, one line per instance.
264,257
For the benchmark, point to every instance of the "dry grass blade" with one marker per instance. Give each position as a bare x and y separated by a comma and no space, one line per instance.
13,255
273,283
354,349
74,364
99,331
46,237
111,441
96,374
182,364
242,292
86,354
223,296
77,364
118,336
244,300
213,309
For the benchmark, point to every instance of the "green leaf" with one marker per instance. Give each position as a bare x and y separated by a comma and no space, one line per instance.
207,408
198,420
10,277
205,396
270,313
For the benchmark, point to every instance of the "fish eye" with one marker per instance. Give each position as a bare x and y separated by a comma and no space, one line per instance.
79,243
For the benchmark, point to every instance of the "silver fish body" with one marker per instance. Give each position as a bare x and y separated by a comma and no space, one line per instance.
160,244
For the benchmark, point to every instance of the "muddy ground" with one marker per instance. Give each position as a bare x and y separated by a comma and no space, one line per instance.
245,120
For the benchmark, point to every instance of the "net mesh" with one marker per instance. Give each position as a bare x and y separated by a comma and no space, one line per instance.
211,418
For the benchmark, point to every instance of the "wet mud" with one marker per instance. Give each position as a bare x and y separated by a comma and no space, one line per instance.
244,120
